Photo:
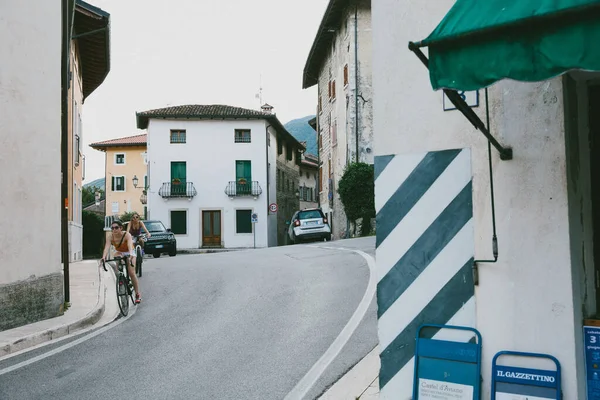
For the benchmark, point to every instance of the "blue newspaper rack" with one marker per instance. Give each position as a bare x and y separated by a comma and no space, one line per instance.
512,382
447,369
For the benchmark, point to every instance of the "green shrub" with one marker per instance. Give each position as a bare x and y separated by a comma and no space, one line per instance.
93,234
357,193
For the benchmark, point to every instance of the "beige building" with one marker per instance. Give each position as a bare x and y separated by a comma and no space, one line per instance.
126,173
89,65
309,176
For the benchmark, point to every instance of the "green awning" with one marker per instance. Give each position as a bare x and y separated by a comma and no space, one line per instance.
480,42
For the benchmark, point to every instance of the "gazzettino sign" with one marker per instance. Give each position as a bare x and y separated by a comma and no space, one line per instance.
511,382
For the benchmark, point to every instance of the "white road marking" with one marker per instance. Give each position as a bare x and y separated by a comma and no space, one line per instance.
68,345
309,380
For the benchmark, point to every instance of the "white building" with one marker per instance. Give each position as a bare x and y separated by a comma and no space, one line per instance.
339,63
308,181
211,167
30,93
542,289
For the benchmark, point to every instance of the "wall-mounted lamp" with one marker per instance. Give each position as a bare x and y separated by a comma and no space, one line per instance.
135,181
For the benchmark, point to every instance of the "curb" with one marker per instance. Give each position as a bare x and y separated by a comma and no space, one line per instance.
54,333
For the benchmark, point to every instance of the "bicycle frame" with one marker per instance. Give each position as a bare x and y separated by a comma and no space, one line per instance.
122,274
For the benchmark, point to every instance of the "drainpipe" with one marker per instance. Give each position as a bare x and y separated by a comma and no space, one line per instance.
68,11
268,180
356,77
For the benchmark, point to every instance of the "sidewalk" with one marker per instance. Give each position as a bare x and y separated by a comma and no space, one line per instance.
361,382
88,289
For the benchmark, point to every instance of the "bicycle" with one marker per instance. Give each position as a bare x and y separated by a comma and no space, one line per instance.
139,254
124,285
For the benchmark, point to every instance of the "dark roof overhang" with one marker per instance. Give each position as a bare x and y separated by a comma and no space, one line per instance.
91,29
322,44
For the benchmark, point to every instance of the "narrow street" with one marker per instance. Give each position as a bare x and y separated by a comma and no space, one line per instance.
237,325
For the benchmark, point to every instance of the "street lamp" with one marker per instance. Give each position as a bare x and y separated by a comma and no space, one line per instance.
135,181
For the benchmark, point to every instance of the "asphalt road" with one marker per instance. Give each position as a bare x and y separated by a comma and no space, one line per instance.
238,325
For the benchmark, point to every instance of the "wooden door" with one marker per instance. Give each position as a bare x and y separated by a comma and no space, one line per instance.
211,228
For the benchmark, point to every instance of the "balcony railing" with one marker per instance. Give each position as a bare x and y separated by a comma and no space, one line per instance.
235,189
177,190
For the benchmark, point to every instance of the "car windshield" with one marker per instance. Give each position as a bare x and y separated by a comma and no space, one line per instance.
155,226
309,214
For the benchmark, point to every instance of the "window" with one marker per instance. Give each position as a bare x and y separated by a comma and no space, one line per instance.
179,222
242,135
145,157
177,136
289,152
345,74
320,141
320,104
321,178
77,153
332,90
115,207
279,146
301,193
118,184
120,159
243,221
333,132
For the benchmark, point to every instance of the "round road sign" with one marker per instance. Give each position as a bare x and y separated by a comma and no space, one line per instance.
273,207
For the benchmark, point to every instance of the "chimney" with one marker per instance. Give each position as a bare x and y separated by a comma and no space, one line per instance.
267,108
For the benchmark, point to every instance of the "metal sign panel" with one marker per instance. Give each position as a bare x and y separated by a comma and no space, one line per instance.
511,382
592,361
446,369
254,217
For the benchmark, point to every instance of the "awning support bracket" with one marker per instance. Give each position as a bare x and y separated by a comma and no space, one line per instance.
506,153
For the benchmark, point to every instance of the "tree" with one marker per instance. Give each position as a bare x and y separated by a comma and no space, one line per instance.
357,192
126,216
88,194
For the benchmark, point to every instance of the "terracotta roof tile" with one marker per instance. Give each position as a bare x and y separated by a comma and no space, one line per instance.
137,140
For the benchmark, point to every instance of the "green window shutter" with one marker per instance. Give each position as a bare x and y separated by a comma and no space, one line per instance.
243,169
243,221
179,222
112,186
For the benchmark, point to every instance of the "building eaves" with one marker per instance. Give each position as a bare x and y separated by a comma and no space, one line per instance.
211,112
130,141
91,30
322,44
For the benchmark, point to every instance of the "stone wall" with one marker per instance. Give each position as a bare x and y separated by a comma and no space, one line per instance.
31,300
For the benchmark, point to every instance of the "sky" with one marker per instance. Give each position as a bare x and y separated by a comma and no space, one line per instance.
166,53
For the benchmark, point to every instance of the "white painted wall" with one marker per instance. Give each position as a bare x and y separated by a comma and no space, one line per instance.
210,153
272,188
525,300
30,138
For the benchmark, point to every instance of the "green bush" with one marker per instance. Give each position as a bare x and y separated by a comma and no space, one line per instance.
93,234
126,217
357,193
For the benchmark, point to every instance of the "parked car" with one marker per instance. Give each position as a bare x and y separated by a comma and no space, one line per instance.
309,224
161,239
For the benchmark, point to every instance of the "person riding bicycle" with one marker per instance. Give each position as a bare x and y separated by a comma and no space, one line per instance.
123,247
135,227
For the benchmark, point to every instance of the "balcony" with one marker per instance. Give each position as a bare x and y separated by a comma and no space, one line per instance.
181,190
238,189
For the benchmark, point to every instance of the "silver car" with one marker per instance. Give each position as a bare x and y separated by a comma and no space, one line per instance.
309,224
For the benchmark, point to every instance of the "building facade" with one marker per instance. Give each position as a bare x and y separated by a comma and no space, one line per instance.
88,67
126,174
211,167
308,181
30,93
339,63
536,288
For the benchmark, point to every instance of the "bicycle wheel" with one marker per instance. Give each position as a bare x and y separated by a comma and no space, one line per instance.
122,295
138,261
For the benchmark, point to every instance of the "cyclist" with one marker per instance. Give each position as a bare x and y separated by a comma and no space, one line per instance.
123,247
135,227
